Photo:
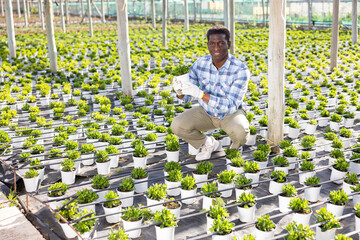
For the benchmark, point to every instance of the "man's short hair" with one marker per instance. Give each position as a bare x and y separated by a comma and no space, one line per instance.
218,29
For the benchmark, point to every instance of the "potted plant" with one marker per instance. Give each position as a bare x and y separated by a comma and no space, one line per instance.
202,172
287,192
252,137
299,231
211,191
264,228
252,171
31,179
328,140
69,214
87,199
339,170
166,224
281,163
294,129
328,224
355,163
223,229
173,182
236,165
85,227
216,210
242,184
114,157
246,207
310,127
350,180
172,148
302,212
261,157
140,156
118,235
126,191
335,154
291,154
278,180
312,192
87,154
357,216
149,142
349,118
132,218
188,189
169,166
112,206
306,171
140,177
337,202
231,153
102,162
56,192
173,205
226,181
335,120
100,184
68,171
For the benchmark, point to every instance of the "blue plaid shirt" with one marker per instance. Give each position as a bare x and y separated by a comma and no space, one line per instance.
227,85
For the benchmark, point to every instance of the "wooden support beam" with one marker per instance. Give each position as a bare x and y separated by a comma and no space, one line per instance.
81,9
67,12
309,14
10,28
102,11
263,12
194,11
85,14
145,10
153,14
232,25
90,19
186,11
354,27
41,13
124,46
164,24
18,8
276,51
49,19
2,7
28,8
334,35
226,14
63,27
25,14
97,9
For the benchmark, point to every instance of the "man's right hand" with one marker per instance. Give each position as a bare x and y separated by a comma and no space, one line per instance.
180,96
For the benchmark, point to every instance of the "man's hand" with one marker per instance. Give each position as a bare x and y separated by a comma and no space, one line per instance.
192,90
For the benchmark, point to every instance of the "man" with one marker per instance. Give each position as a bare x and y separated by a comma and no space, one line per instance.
219,82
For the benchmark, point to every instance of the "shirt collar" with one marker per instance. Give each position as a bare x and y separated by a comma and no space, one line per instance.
226,64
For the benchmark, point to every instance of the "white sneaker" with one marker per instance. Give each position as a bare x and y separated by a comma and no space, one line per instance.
207,148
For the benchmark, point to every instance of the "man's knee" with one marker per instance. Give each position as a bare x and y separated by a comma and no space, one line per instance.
240,133
175,126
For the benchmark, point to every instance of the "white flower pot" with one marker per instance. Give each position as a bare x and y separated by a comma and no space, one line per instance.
131,225
150,146
172,156
310,129
246,215
114,161
173,188
142,186
356,199
176,211
329,234
103,168
89,159
90,207
348,122
207,202
284,169
200,179
239,191
167,233
31,184
68,231
357,223
128,200
209,223
323,122
337,210
192,150
293,132
275,187
312,193
115,218
347,189
101,193
255,178
335,126
140,162
237,170
284,204
68,177
263,235
188,193
354,167
303,219
251,140
303,175
226,193
262,166
292,161
222,237
337,176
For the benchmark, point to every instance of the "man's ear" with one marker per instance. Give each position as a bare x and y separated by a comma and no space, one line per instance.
229,44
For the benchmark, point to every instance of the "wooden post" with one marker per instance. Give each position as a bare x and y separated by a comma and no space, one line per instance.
354,31
28,8
108,8
164,25
18,8
194,11
276,50
232,25
49,19
2,8
309,13
81,9
200,10
263,12
25,14
97,10
41,15
334,35
62,16
153,14
145,16
186,10
124,46
226,14
67,11
90,20
102,11
10,28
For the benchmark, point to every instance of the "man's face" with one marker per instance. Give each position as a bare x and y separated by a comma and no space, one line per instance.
218,47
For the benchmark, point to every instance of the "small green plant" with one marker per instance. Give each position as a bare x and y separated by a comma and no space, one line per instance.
242,182
210,188
357,210
306,166
335,118
140,151
174,176
87,225
260,156
278,176
57,189
342,237
291,152
280,161
86,196
284,144
204,167
246,200
188,183
132,214
165,218
330,136
339,197
299,205
172,145
312,181
100,182
126,185
118,235
31,173
169,166
264,147
351,178
265,224
232,153
327,220
222,226
151,137
112,200
251,167
226,176
288,191
299,232
102,156
139,173
341,165
237,162
336,153
68,165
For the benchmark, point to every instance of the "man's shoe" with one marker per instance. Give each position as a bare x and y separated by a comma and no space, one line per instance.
207,148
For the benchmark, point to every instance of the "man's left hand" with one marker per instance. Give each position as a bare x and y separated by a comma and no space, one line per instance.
192,90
